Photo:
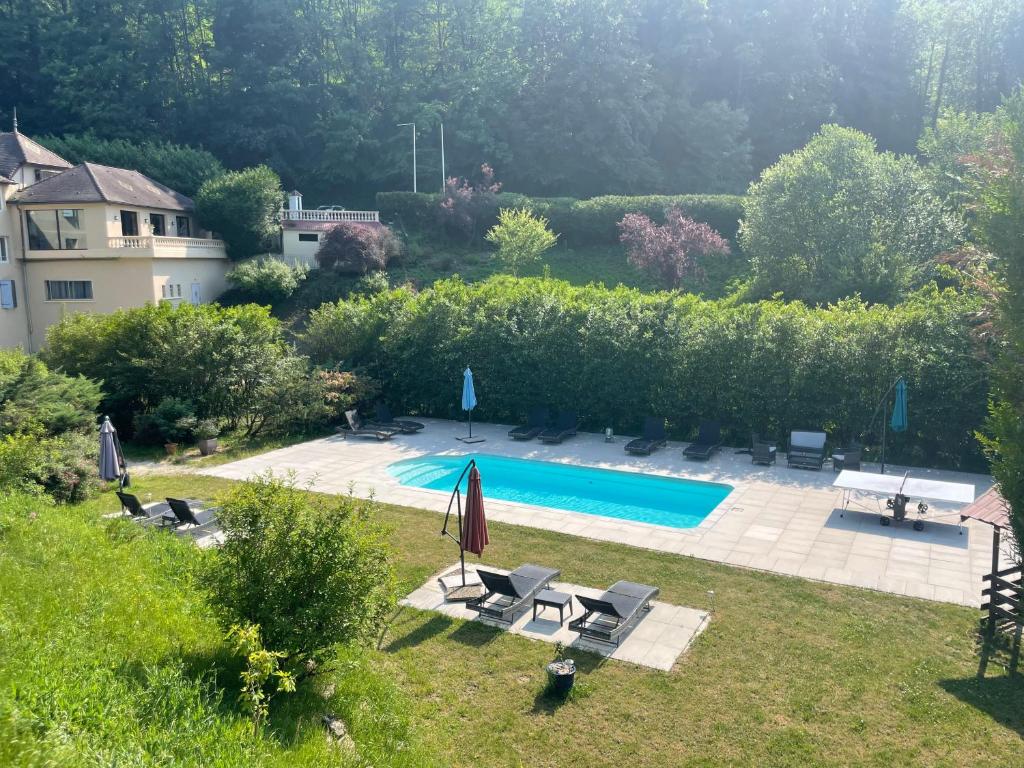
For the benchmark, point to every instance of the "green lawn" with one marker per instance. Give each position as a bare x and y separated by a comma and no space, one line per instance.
106,645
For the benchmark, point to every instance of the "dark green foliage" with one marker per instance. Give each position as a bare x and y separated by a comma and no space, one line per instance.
242,207
35,399
228,363
312,572
62,467
169,422
577,222
617,354
998,176
357,249
183,169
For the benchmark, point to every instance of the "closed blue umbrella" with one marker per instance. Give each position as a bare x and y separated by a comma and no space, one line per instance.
898,422
111,459
469,403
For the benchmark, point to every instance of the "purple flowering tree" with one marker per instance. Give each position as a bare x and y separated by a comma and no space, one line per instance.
672,251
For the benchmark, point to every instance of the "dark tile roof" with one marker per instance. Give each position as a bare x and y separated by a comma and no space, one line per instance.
16,149
5,180
990,508
92,183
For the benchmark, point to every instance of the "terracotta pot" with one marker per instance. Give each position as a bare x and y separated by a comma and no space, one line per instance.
171,448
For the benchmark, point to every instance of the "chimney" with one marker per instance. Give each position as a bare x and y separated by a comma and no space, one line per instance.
15,119
295,201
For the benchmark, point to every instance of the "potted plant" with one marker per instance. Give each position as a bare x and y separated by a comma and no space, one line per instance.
206,432
561,672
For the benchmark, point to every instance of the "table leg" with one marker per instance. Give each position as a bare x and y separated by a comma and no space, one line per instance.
534,611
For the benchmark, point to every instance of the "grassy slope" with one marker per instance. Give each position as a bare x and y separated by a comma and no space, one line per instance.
789,673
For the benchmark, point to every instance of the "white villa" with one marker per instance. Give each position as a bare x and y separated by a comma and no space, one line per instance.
91,238
302,230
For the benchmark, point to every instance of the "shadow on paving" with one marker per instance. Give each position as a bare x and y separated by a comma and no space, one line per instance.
1001,698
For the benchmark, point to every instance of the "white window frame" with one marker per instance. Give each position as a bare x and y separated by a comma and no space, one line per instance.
46,289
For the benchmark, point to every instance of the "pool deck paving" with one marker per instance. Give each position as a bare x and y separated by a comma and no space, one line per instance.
657,640
786,521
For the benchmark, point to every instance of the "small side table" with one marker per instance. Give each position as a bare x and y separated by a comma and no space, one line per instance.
549,598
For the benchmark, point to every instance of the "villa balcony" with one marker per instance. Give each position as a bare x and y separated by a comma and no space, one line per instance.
327,216
169,247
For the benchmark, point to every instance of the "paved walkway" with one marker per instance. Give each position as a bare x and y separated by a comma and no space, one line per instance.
657,640
775,519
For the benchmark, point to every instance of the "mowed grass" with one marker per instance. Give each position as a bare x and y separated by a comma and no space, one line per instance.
789,672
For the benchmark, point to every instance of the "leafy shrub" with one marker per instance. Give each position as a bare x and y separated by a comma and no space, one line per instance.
344,390
577,222
171,421
242,207
182,168
615,353
35,399
62,467
465,206
838,218
266,279
228,363
521,237
372,282
671,251
310,571
357,249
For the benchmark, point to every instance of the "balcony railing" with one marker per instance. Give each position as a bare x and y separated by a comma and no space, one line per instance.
365,216
156,242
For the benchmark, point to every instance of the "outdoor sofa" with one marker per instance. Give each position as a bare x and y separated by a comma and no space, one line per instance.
618,610
505,595
709,440
806,450
653,437
536,422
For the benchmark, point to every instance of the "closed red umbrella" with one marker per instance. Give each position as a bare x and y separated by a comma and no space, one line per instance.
474,526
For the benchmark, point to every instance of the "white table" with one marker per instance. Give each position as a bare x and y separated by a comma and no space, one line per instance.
892,485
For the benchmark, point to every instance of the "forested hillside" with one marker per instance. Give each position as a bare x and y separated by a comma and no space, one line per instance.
568,97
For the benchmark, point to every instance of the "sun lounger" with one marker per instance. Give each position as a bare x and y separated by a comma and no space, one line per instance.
613,614
653,437
186,519
565,426
146,514
384,420
763,453
356,428
709,440
806,450
536,421
507,595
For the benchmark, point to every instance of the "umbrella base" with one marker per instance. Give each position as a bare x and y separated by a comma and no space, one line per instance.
472,439
455,592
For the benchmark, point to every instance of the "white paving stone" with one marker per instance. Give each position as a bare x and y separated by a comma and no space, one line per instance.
658,639
777,519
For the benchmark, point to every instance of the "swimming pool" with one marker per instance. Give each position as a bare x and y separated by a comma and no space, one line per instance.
608,493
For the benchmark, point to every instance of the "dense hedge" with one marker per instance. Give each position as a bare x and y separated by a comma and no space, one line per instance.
578,222
618,354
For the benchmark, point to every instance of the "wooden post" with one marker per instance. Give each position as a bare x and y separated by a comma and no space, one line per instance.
992,594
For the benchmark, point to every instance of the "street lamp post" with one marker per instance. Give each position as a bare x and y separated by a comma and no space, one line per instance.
442,159
413,125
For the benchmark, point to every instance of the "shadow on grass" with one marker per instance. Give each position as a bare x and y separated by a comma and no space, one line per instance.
475,633
1001,698
434,626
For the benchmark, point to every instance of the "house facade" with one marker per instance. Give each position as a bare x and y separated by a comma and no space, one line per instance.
302,230
92,238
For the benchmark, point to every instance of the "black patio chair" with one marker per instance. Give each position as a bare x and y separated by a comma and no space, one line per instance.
653,437
709,440
536,422
613,614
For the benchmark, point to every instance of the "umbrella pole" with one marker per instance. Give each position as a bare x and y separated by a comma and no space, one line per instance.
470,422
885,425
462,550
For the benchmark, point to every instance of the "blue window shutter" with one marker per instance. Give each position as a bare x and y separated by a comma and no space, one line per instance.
8,297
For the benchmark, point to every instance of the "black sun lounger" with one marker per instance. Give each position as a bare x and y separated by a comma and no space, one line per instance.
536,421
358,429
506,595
146,514
709,440
565,426
384,420
613,614
187,518
806,450
654,437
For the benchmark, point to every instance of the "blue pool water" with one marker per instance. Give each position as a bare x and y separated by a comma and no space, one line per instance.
625,495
